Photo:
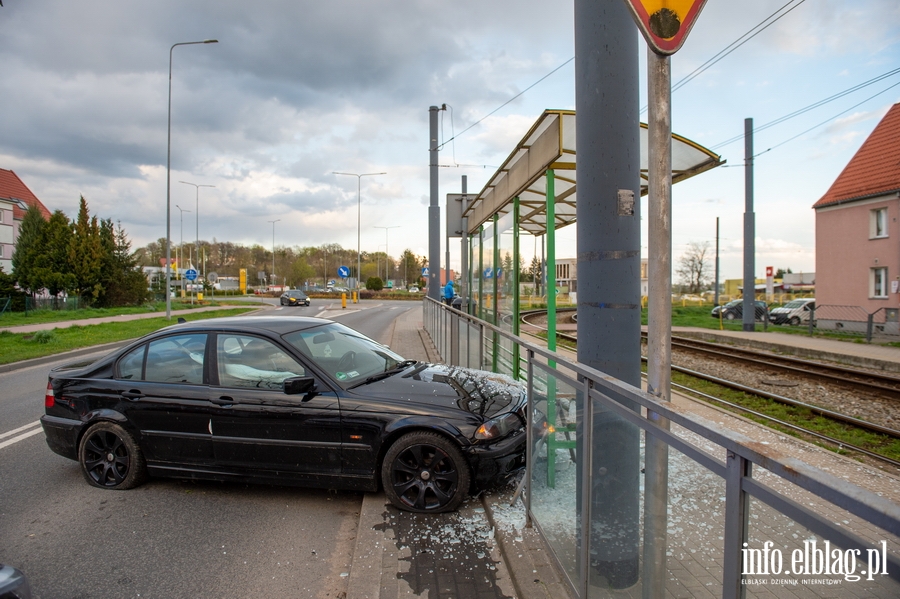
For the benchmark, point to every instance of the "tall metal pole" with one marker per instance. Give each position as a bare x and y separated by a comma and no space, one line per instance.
169,179
464,248
359,177
749,320
197,207
609,307
434,210
181,244
274,279
386,253
716,290
659,319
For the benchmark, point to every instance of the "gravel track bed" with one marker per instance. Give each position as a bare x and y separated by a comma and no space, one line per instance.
822,394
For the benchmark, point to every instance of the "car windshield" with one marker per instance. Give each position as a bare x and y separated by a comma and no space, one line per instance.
795,304
343,353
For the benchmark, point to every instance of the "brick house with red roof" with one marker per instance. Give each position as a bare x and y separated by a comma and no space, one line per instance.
858,226
15,198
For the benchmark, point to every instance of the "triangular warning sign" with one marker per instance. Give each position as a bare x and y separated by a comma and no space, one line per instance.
665,23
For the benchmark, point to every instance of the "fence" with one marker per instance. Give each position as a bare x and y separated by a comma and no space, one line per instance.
675,505
33,304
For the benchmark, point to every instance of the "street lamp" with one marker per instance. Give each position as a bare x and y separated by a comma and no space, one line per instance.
197,207
274,280
358,220
387,254
182,210
169,177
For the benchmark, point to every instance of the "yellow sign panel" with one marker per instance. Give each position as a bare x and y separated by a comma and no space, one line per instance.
243,280
665,23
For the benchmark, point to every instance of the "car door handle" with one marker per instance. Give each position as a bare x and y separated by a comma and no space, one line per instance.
224,401
132,395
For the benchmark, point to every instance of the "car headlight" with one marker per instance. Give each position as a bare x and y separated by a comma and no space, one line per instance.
498,427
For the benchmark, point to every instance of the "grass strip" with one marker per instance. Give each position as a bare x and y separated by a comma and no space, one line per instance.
798,416
15,347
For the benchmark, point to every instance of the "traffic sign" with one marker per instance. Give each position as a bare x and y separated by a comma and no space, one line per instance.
190,274
425,272
343,272
665,23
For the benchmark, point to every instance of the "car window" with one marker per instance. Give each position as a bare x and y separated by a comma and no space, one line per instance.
246,361
343,353
176,359
131,365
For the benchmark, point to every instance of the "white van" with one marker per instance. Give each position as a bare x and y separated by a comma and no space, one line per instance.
794,312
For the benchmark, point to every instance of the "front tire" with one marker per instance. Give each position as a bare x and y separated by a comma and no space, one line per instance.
110,458
425,473
730,316
794,321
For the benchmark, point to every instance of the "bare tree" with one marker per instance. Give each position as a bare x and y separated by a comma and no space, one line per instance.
693,270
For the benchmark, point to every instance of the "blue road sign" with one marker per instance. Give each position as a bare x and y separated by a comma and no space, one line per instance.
190,274
343,272
488,273
425,272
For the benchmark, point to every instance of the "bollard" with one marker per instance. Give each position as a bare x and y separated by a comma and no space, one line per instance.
343,300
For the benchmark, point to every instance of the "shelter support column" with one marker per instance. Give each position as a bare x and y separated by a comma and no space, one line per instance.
608,252
514,277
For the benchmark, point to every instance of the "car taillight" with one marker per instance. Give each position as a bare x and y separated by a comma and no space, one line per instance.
49,398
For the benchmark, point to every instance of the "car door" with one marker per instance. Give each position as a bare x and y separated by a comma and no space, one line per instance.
165,392
259,429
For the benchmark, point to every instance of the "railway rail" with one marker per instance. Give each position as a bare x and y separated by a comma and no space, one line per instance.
880,384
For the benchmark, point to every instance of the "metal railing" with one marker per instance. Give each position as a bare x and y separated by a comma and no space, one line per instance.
733,503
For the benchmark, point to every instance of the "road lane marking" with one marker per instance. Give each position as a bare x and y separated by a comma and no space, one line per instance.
21,437
20,429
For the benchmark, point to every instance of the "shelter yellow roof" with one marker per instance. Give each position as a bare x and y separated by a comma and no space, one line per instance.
550,143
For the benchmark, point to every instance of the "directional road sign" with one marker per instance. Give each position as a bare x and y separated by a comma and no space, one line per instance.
665,23
343,272
190,274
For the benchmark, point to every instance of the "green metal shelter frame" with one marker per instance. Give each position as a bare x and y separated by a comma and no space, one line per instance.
535,190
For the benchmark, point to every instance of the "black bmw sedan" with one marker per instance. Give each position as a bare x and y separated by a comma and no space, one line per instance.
294,297
300,401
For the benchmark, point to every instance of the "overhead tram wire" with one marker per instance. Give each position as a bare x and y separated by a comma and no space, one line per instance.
814,105
826,121
505,103
755,30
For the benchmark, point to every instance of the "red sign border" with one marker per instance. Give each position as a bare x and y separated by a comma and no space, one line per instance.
661,45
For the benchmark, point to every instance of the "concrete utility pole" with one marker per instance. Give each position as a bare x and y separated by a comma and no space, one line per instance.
749,320
609,255
434,209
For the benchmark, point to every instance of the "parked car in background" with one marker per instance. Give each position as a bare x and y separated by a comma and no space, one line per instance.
734,310
294,297
414,289
286,400
794,312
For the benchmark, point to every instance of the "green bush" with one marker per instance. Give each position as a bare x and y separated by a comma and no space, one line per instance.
43,337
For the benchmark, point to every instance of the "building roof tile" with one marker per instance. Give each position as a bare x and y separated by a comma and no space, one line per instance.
874,169
11,187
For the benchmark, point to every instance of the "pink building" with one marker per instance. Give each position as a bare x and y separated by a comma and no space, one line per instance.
858,226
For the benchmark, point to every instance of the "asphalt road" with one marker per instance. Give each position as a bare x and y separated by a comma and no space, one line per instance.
167,538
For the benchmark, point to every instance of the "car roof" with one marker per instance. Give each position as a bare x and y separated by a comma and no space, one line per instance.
278,325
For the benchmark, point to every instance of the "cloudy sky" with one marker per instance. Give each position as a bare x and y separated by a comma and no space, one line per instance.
296,89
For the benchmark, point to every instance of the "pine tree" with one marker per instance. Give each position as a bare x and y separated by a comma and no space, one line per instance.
86,254
28,250
53,269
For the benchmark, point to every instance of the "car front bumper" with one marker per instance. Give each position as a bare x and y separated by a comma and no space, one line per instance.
497,463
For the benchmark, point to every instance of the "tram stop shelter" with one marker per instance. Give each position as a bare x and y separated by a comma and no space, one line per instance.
535,192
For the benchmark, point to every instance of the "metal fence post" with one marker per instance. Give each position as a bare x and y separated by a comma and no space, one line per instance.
869,322
812,320
737,512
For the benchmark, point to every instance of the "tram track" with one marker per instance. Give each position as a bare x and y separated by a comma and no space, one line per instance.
881,386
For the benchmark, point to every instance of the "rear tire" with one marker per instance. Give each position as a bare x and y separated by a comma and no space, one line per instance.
110,458
425,473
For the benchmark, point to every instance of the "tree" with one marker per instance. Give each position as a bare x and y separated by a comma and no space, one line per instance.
122,281
28,250
53,272
692,267
374,283
86,254
779,274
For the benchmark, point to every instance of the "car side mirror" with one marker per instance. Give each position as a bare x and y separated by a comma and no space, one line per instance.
299,385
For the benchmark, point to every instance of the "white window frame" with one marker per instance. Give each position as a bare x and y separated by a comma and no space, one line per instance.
878,282
878,223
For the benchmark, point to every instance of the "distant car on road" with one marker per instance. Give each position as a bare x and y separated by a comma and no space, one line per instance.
294,297
794,312
735,309
414,289
287,401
